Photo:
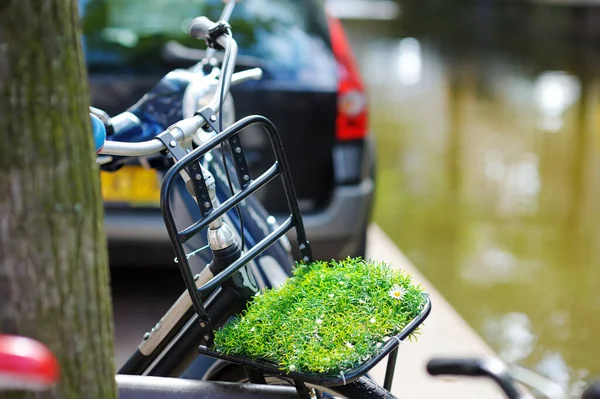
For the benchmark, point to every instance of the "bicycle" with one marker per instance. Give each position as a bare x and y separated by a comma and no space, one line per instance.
506,379
224,287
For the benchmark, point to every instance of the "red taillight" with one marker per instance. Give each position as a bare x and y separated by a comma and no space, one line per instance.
351,121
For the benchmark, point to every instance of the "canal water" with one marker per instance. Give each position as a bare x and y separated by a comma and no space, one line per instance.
487,121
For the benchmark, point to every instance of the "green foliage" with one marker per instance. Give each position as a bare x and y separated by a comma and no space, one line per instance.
328,317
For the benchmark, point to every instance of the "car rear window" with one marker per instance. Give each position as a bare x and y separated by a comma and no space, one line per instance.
133,35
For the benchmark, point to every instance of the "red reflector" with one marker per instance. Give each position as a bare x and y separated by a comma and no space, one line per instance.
352,120
26,364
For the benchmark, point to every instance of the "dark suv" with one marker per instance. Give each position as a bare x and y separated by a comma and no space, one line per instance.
310,89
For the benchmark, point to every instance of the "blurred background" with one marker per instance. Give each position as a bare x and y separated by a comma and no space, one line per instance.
486,115
486,118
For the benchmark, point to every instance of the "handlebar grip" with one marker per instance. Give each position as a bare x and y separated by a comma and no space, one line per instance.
592,391
199,27
99,132
448,366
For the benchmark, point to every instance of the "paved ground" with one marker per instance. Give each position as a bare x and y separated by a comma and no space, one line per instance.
444,334
141,298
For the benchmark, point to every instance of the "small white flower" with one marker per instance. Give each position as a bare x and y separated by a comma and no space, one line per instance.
372,320
349,345
252,329
319,321
292,367
397,292
331,295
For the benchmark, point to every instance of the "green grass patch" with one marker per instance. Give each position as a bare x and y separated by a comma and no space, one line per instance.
328,317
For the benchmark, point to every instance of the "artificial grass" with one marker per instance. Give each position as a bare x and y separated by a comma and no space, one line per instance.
328,317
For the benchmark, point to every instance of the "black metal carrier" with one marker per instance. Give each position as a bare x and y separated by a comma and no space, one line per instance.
249,186
178,237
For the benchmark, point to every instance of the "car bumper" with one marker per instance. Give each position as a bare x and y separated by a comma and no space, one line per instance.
138,237
338,231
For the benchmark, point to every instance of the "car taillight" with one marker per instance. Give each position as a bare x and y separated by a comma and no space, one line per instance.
351,121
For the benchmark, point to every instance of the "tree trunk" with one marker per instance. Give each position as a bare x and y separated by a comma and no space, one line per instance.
53,261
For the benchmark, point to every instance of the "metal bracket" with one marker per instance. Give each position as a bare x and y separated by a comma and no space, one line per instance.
255,376
217,30
301,389
305,251
194,171
239,159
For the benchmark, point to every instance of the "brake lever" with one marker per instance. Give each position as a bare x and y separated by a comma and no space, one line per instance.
174,51
477,367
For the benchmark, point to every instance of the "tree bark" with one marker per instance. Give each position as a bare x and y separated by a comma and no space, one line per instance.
53,261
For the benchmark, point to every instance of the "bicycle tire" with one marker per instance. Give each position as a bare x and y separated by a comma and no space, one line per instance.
362,388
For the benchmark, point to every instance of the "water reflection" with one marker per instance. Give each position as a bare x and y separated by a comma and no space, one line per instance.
409,61
500,215
512,334
554,92
554,367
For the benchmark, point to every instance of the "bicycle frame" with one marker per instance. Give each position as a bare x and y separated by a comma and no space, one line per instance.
224,287
177,329
142,122
223,304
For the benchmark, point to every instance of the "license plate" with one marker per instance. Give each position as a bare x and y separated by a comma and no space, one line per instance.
134,185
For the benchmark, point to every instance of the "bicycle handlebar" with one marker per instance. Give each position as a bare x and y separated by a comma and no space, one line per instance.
592,391
204,28
496,370
180,131
475,367
201,28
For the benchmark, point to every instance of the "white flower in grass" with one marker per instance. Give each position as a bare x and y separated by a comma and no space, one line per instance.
331,295
252,329
349,345
292,367
319,321
397,292
372,321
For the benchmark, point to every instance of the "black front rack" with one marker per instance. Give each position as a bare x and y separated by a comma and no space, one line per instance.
190,161
390,348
